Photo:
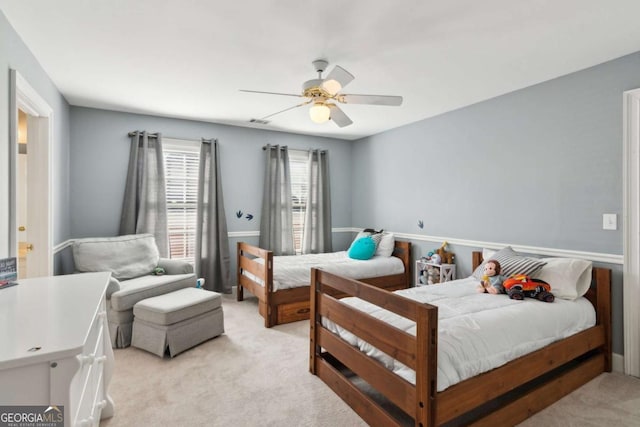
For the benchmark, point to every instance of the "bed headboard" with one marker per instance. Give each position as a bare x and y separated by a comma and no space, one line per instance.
402,250
476,259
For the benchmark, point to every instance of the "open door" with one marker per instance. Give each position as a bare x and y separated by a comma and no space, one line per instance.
30,217
21,195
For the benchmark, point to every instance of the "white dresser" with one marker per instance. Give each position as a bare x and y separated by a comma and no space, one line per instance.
55,347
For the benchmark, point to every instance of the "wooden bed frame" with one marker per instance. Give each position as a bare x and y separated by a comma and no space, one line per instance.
503,396
290,305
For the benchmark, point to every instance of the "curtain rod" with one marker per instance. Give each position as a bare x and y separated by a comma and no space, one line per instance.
282,147
155,135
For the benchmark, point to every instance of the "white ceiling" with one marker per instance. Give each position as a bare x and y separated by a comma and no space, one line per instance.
189,58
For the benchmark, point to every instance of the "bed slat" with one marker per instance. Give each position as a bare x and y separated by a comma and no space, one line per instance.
392,302
251,286
392,341
398,390
363,405
544,395
253,267
253,250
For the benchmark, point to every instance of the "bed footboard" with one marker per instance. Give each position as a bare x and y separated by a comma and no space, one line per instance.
247,261
417,352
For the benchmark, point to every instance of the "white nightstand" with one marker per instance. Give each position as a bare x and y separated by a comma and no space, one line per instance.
428,273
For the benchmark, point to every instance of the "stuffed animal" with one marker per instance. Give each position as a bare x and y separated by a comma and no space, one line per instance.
492,279
520,286
158,271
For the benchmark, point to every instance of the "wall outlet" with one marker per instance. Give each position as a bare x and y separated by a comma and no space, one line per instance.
609,222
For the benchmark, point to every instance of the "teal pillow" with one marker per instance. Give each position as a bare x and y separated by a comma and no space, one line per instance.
363,248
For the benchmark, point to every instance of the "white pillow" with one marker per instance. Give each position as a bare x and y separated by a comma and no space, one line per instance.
126,257
387,245
487,254
569,278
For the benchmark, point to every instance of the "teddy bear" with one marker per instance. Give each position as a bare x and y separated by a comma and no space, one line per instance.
492,279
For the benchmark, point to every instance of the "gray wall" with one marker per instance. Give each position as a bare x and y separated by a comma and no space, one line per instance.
15,55
535,167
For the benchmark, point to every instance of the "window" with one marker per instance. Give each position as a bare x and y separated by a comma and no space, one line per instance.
299,165
181,160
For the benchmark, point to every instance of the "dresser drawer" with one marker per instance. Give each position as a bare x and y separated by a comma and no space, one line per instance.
84,387
293,312
95,330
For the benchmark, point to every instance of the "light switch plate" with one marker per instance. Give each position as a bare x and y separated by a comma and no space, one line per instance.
609,222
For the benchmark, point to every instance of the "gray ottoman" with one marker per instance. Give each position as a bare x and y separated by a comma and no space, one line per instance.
178,321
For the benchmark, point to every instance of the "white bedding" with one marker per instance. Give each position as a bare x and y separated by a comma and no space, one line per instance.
477,332
295,270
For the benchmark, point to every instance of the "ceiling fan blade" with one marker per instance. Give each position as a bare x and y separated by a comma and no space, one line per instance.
338,116
271,93
370,99
340,75
287,109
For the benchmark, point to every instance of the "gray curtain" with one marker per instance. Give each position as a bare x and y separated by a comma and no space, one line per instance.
276,219
212,240
316,236
144,209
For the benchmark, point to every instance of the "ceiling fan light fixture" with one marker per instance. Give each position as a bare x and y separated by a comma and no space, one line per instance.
319,113
332,86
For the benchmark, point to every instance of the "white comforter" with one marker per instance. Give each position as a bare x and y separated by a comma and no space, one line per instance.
478,332
295,270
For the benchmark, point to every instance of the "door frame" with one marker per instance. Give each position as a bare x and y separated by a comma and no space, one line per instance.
24,97
631,231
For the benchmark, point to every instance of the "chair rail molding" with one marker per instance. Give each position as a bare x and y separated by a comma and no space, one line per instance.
62,246
256,233
536,250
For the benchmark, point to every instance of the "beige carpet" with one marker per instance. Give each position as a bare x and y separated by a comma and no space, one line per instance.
252,376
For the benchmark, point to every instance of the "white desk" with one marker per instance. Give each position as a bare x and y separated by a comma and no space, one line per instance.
55,347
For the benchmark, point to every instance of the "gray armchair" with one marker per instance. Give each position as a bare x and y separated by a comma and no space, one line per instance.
131,260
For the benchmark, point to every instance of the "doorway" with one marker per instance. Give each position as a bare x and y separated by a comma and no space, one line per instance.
30,221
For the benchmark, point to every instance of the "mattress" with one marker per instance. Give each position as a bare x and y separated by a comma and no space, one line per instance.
295,270
477,331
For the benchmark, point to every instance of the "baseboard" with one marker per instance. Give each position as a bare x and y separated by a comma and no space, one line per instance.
617,363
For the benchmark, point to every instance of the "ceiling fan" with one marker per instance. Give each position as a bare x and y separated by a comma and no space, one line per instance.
324,94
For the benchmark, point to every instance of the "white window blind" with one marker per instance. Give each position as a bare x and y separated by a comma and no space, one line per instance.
299,165
181,159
